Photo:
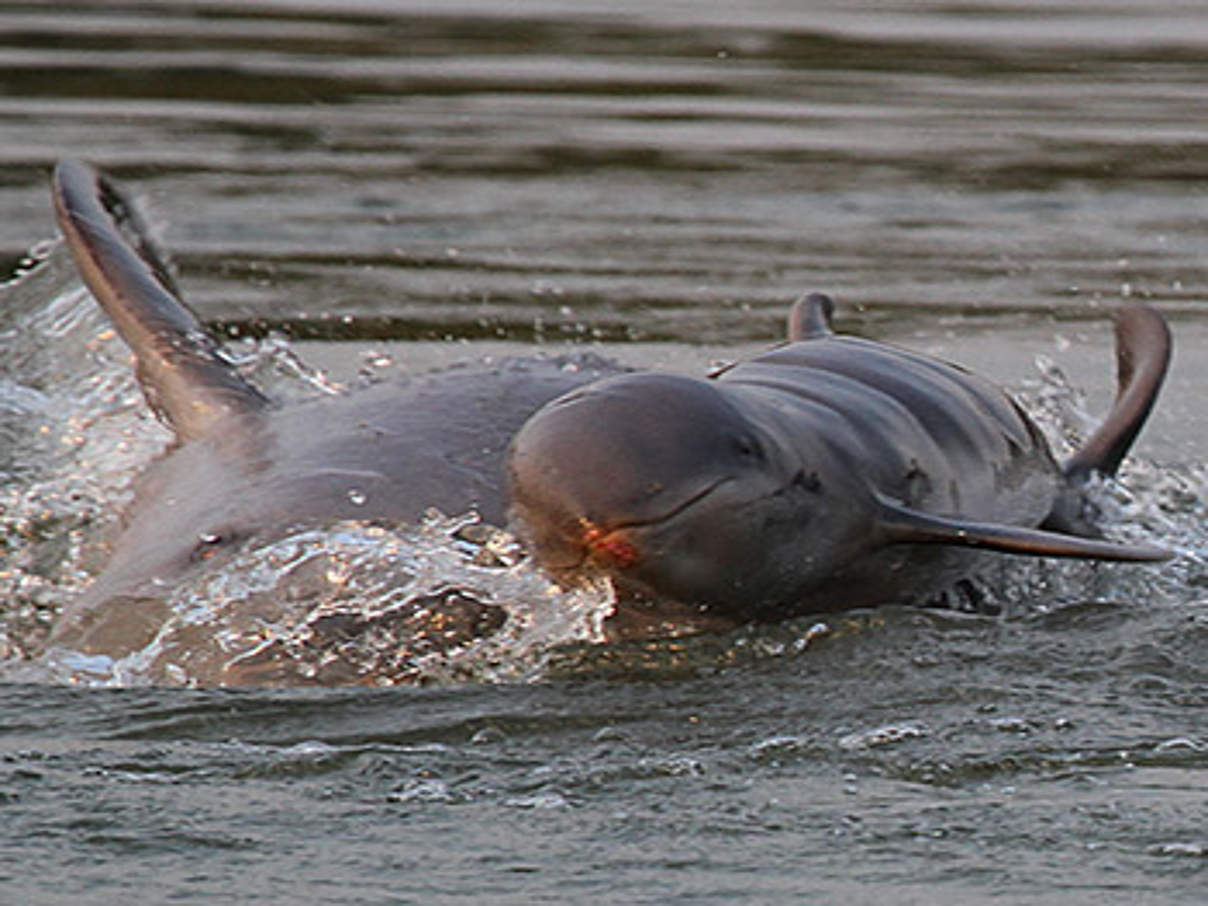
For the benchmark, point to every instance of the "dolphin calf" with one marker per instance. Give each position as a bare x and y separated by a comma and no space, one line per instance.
242,467
829,473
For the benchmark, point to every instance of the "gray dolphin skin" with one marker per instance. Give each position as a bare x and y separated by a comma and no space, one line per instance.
829,473
243,468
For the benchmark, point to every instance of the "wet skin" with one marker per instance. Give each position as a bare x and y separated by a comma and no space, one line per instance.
243,468
829,473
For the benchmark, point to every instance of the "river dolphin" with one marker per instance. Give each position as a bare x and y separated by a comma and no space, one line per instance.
242,467
829,473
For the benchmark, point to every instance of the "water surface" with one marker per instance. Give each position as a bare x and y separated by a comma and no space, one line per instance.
657,180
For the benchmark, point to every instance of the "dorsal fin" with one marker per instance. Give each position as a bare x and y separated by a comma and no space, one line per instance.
902,525
1142,357
810,317
184,377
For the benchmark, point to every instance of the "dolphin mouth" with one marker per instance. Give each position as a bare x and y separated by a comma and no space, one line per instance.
675,510
615,544
568,550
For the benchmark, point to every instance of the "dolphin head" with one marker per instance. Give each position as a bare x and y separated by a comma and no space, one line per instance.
676,487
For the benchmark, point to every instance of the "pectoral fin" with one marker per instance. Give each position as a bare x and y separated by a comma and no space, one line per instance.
901,525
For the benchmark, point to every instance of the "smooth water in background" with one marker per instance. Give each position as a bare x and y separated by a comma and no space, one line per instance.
434,182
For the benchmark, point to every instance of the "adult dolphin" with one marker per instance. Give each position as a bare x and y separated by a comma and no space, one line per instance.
829,473
242,467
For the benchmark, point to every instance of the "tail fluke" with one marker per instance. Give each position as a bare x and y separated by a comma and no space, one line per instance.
1142,357
182,372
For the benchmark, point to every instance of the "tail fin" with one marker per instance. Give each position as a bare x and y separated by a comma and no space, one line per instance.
183,376
1142,357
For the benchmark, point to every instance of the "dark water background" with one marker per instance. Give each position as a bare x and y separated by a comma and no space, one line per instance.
977,179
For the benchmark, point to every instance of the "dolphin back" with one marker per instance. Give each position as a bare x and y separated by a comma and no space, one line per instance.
948,457
924,433
181,369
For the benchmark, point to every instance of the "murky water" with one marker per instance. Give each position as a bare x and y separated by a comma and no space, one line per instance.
433,183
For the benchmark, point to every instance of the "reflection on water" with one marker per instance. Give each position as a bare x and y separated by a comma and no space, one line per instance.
665,170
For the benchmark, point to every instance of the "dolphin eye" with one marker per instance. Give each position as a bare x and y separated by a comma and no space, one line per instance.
210,542
810,482
746,447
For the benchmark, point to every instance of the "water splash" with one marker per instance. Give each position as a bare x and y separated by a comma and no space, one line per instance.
75,432
72,410
1146,503
447,601
354,603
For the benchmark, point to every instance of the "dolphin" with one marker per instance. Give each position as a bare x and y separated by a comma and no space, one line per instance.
830,473
242,467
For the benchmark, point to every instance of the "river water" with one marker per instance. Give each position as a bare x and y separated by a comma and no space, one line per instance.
394,186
